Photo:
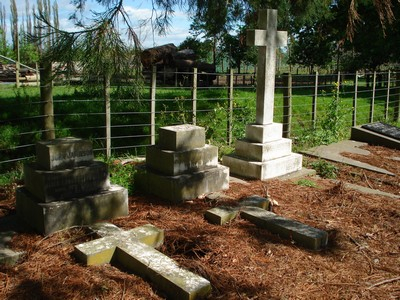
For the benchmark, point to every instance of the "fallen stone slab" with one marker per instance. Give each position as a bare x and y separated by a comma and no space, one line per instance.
221,215
302,234
125,248
7,255
256,201
224,214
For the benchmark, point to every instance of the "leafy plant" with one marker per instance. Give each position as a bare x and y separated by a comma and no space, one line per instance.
325,169
306,182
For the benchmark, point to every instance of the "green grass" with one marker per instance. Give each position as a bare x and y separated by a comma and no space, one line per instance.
80,114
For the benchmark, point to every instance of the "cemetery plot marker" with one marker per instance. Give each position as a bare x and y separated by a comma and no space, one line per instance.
134,250
66,187
264,153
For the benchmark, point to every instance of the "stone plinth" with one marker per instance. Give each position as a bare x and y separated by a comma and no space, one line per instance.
263,170
47,218
180,162
181,137
63,153
182,166
66,187
56,185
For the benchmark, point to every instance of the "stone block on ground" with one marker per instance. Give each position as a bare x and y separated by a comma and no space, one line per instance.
302,234
179,162
63,153
125,250
181,137
50,186
47,218
221,215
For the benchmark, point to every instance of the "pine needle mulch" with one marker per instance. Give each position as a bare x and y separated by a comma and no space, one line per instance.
362,260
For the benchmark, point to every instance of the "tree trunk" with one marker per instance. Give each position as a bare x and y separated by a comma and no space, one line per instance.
46,98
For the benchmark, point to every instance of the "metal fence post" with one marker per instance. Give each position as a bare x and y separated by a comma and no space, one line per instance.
194,97
287,104
229,123
153,105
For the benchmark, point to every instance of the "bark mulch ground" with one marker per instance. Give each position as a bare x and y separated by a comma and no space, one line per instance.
362,260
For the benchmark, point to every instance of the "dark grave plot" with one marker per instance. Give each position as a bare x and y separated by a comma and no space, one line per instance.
384,129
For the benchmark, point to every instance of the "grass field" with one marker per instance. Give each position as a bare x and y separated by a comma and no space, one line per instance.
79,113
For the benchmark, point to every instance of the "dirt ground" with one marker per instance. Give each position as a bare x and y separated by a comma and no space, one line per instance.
362,260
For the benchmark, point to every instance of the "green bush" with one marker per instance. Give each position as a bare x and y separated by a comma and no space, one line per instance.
325,169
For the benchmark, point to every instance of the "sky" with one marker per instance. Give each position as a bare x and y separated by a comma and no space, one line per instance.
136,9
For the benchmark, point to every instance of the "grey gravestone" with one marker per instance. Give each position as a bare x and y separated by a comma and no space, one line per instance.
263,154
385,129
66,187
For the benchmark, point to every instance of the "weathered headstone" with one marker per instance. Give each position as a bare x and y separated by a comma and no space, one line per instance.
134,250
181,166
264,153
66,187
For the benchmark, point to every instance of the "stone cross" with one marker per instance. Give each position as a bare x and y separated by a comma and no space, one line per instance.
268,39
133,249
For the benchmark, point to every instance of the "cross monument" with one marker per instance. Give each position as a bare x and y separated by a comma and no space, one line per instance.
267,38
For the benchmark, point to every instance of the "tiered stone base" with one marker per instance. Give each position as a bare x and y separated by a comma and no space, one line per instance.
264,154
182,167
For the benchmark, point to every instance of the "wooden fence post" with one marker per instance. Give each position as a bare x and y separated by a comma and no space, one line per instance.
194,97
229,123
314,103
107,105
371,110
387,97
287,104
396,103
153,105
355,99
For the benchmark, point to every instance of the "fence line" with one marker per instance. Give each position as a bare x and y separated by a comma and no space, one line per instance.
129,125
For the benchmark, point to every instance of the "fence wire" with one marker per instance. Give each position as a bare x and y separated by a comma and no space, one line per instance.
131,122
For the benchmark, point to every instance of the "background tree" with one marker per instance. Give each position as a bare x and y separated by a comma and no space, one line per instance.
101,49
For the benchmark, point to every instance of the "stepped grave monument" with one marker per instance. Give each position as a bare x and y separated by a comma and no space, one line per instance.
263,153
182,166
67,187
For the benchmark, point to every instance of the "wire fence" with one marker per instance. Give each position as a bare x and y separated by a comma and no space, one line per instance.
302,103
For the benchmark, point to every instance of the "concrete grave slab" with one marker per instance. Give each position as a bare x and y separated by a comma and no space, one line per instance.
63,153
47,218
125,249
302,234
384,129
361,134
333,152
